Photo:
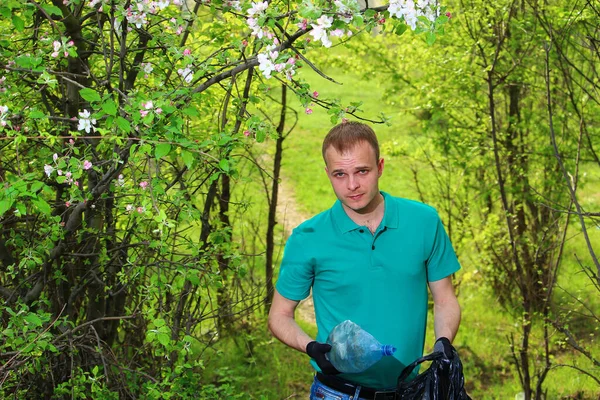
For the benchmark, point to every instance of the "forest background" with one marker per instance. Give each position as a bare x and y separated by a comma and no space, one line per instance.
142,148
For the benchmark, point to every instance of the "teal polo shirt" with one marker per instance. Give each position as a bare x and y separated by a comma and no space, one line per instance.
378,281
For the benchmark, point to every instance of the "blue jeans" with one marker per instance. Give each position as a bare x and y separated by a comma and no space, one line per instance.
318,391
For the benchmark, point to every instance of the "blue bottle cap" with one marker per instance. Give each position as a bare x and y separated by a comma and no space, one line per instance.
388,350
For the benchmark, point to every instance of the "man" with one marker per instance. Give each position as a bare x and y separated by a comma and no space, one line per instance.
369,259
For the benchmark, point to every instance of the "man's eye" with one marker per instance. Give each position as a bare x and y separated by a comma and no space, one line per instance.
363,171
338,174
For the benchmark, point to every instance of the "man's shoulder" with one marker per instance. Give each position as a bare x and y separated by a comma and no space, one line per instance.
314,224
412,207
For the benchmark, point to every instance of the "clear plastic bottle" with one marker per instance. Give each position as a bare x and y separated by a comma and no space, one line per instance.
353,350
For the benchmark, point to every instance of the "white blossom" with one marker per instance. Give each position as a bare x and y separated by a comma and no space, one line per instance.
265,65
3,115
163,4
187,74
48,169
85,122
410,11
319,31
257,8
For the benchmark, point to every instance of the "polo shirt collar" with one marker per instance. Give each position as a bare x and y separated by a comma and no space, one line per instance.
345,223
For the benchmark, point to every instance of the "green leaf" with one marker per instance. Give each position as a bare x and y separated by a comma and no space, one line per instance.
50,9
36,114
400,29
109,107
190,111
370,13
123,124
42,206
188,158
161,150
5,205
159,322
163,338
430,38
33,319
36,185
90,95
5,12
224,164
18,23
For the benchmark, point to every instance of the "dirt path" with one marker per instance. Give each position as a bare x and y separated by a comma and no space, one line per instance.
289,216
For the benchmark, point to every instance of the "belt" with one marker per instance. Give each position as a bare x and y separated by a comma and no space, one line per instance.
342,385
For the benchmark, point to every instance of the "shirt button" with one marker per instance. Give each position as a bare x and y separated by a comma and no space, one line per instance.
373,247
361,230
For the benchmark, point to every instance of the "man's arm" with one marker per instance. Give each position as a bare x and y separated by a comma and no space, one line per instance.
283,325
446,311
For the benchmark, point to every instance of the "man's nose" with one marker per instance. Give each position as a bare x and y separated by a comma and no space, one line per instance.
353,183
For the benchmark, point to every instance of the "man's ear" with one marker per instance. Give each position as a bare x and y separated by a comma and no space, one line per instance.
380,166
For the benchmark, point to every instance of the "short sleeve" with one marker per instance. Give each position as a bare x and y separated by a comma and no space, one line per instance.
442,260
296,274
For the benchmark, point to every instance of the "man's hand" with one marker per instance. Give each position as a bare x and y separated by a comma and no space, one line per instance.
443,345
317,351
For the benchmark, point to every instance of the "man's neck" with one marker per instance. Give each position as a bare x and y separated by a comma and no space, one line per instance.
372,218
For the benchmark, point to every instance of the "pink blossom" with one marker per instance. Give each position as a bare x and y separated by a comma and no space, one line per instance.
179,30
291,61
55,156
247,133
143,113
87,165
302,25
315,94
148,105
76,183
344,120
71,141
143,184
187,52
68,174
71,43
59,172
308,111
68,204
244,43
140,210
158,110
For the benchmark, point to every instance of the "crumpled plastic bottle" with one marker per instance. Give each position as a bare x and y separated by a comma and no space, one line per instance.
353,349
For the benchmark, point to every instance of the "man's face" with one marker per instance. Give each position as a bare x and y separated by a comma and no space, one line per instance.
354,176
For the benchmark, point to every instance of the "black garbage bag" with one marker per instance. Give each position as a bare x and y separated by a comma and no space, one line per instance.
443,380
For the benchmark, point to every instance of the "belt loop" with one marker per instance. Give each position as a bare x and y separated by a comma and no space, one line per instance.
357,392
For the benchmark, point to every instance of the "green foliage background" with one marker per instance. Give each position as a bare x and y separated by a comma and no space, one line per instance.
139,271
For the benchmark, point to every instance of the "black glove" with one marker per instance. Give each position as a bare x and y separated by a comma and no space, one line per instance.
317,351
443,345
